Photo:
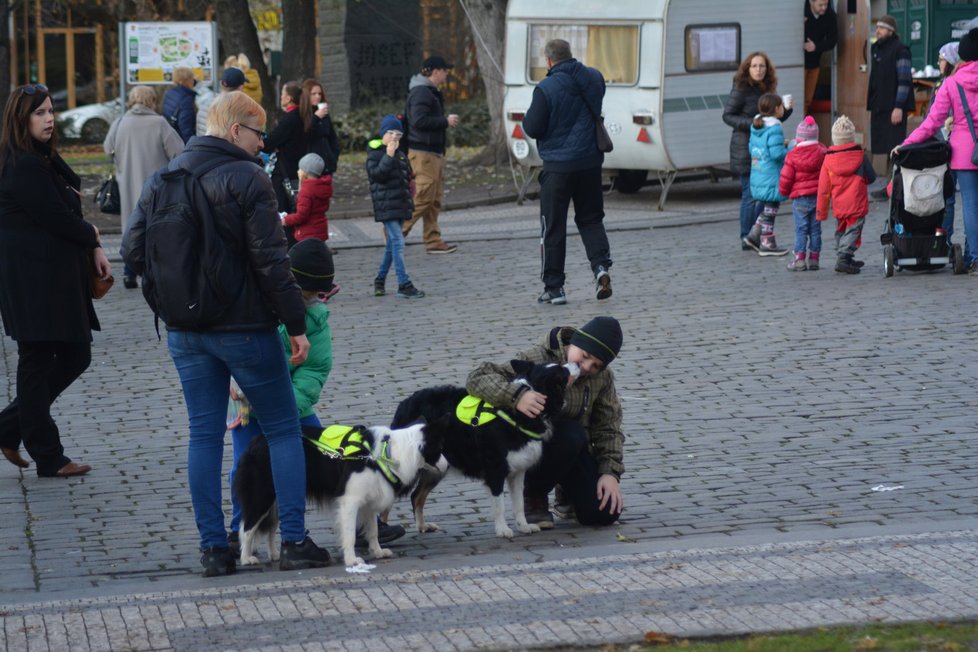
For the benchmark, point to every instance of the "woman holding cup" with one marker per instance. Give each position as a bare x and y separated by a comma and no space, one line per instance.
755,76
322,136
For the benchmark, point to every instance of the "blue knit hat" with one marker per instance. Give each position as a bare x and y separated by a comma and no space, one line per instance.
389,123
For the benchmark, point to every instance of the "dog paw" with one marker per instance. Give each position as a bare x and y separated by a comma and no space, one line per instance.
504,532
528,528
274,554
428,527
352,561
382,553
250,561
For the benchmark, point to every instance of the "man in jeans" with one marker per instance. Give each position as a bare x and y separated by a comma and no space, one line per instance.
427,125
561,119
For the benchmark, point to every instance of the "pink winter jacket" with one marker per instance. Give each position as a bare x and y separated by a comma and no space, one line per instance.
948,100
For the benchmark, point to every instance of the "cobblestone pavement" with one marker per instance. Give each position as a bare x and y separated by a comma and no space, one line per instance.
798,454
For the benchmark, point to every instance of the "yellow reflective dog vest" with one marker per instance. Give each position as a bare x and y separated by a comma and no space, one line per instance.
348,443
474,411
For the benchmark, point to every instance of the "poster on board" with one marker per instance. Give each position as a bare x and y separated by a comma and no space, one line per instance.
151,51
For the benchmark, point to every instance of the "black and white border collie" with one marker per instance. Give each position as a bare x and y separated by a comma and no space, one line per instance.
500,450
359,488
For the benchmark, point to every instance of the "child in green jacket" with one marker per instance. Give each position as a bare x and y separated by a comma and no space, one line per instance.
312,266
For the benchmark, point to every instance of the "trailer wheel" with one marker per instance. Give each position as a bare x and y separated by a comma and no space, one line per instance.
888,265
630,181
957,259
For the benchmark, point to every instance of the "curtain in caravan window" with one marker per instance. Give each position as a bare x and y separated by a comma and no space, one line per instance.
576,35
613,51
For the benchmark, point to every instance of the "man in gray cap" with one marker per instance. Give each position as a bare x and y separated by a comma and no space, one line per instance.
890,97
427,125
583,459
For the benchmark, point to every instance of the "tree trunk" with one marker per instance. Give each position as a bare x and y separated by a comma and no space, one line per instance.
298,40
238,34
5,46
488,22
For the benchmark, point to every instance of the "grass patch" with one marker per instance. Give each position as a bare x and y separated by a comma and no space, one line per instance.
909,637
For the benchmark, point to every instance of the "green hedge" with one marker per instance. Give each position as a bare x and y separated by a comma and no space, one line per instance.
358,127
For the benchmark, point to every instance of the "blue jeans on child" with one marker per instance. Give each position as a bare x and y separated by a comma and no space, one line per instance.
241,438
394,253
968,181
205,363
808,230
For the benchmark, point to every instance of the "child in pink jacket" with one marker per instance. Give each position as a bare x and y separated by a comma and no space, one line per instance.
799,181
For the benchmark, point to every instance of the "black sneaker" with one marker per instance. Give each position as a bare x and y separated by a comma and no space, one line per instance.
408,291
844,265
536,508
385,534
602,284
379,289
217,561
555,297
234,544
302,555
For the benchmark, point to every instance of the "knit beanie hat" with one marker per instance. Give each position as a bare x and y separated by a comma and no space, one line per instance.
312,164
968,46
807,129
889,22
312,265
843,131
601,337
949,51
389,123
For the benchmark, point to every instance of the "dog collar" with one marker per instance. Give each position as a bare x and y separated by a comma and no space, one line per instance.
474,411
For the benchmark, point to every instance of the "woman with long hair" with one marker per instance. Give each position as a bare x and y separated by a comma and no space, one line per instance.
323,139
289,140
755,77
47,250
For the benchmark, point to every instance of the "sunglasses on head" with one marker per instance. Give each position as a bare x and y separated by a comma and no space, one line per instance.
30,89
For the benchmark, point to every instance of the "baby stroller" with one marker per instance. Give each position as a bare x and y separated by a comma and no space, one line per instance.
913,237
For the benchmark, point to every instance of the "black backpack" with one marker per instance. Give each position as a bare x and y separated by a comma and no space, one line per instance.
187,281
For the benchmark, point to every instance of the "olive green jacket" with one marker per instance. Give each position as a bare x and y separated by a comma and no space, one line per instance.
592,401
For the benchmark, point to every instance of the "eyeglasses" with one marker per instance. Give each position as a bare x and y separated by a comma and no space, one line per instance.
30,89
258,132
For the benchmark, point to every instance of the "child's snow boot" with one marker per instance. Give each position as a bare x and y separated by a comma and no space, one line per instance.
769,247
845,265
798,264
753,238
813,261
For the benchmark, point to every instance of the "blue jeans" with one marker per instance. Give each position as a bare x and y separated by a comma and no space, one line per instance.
394,253
808,230
750,210
241,438
968,181
205,363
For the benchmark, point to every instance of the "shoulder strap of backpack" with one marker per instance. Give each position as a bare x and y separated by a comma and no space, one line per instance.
967,112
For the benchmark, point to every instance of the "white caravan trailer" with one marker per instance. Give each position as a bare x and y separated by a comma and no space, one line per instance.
668,65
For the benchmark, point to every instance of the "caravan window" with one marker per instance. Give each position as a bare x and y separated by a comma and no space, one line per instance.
712,47
612,49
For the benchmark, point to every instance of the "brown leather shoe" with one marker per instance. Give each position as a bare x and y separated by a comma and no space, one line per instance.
442,248
13,456
71,468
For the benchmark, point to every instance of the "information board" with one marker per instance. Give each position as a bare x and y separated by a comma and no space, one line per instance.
150,51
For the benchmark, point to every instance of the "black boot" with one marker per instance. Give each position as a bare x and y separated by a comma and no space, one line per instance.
536,507
217,561
845,265
302,555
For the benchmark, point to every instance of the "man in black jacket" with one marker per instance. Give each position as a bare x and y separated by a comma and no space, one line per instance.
821,35
561,118
427,124
890,95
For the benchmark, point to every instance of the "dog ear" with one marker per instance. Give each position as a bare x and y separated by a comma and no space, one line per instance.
521,367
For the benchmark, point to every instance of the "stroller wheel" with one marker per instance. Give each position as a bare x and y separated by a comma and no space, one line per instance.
957,259
888,265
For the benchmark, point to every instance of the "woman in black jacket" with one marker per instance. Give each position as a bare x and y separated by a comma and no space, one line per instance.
289,140
389,174
322,137
754,77
252,289
46,254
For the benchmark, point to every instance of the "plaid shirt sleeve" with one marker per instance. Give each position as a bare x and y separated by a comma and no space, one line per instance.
494,382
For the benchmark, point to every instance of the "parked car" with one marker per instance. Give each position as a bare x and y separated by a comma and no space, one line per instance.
89,123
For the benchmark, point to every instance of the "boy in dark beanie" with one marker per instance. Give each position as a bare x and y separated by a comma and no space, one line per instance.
583,459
